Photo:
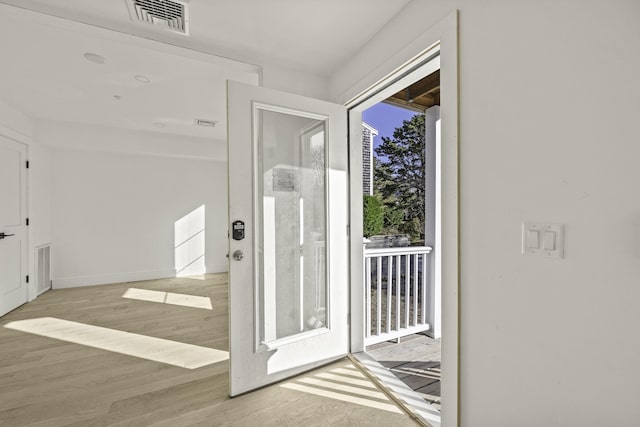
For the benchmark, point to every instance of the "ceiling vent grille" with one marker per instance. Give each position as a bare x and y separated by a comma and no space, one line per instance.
171,14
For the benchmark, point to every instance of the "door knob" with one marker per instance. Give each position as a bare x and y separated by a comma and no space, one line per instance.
238,255
2,235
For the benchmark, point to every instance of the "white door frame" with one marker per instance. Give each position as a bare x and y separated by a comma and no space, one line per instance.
442,40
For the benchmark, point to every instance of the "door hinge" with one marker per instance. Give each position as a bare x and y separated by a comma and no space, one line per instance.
27,164
27,221
27,278
349,319
348,230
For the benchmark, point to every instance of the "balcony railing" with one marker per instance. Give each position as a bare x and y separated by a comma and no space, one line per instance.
396,292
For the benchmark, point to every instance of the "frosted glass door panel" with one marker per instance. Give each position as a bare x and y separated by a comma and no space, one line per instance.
289,273
291,153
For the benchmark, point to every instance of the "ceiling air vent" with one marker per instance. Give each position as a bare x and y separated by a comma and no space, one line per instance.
170,14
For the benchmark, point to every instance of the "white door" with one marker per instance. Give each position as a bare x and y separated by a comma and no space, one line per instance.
13,241
288,250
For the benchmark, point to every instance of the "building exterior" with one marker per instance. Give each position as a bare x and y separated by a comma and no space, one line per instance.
368,133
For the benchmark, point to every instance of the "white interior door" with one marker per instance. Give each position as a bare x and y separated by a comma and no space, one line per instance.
288,250
13,242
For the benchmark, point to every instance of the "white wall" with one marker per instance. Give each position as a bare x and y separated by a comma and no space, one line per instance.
39,203
549,99
114,213
14,124
293,81
107,199
76,136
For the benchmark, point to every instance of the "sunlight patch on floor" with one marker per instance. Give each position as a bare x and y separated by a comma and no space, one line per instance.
344,387
361,383
168,298
156,349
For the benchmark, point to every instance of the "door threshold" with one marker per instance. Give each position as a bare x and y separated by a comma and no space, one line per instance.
410,401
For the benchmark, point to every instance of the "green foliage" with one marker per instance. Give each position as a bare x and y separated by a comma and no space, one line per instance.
399,177
393,219
373,215
413,227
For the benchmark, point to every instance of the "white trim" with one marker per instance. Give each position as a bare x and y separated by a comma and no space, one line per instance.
400,81
104,279
126,152
373,130
290,111
275,344
15,135
442,38
392,76
403,250
131,276
450,220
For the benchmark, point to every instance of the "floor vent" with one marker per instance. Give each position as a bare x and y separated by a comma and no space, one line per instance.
43,268
170,14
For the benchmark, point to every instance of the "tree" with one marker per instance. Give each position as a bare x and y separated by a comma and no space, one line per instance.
373,215
399,176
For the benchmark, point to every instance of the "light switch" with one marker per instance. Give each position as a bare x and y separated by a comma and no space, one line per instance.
533,239
549,241
543,239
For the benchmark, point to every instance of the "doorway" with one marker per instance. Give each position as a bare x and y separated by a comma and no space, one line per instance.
445,260
395,293
402,293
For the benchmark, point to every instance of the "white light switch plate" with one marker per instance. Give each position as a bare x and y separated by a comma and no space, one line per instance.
543,239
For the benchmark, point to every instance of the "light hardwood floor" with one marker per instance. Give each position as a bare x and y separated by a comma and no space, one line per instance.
61,381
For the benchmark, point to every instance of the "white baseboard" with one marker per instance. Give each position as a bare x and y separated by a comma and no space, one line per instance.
132,276
219,268
103,279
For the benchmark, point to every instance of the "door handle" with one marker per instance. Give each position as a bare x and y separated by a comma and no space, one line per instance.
238,255
2,235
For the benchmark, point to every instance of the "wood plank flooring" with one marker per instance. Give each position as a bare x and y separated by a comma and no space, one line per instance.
54,382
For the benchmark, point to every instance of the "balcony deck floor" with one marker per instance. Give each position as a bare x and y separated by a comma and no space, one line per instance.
415,361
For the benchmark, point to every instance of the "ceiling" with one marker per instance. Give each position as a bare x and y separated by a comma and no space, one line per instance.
313,35
49,78
420,96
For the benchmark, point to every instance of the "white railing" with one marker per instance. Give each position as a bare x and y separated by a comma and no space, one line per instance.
396,292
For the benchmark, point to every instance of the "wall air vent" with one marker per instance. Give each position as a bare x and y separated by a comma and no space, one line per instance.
170,14
43,268
205,123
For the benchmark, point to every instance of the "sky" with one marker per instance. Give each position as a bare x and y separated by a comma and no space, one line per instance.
385,118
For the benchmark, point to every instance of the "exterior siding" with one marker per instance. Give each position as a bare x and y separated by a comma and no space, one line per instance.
368,133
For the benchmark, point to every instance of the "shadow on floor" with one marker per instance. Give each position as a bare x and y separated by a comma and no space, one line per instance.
415,361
